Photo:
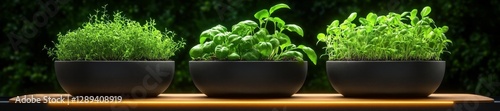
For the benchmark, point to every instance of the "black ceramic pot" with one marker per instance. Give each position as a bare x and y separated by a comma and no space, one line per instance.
248,78
385,78
131,79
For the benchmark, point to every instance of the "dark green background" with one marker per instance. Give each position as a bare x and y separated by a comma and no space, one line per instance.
472,66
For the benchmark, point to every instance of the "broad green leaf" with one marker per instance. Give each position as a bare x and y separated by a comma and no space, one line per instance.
363,21
352,17
295,28
292,46
291,55
247,42
372,18
310,53
220,38
245,46
404,31
251,55
425,11
209,47
269,37
287,54
343,26
196,51
381,19
330,30
249,23
280,22
202,39
335,23
241,30
352,25
321,37
265,48
429,35
284,39
413,14
383,27
278,6
221,52
233,56
444,29
368,29
299,59
414,21
298,55
261,14
248,39
262,31
233,38
206,34
244,27
220,28
261,35
275,42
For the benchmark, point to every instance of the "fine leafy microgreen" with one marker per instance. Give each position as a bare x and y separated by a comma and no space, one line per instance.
116,38
386,37
249,40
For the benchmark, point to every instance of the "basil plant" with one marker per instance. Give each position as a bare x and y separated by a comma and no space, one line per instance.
251,41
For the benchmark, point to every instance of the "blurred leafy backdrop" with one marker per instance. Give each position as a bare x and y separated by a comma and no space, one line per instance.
472,67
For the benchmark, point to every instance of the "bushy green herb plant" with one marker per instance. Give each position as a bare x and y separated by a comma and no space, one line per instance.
116,38
248,40
388,37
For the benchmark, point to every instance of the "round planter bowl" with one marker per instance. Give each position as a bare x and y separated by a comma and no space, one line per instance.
383,79
248,79
129,79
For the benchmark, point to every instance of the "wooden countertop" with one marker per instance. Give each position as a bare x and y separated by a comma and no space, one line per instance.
297,100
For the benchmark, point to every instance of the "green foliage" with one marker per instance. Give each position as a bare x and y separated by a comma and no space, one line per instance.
386,37
248,40
472,67
119,38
